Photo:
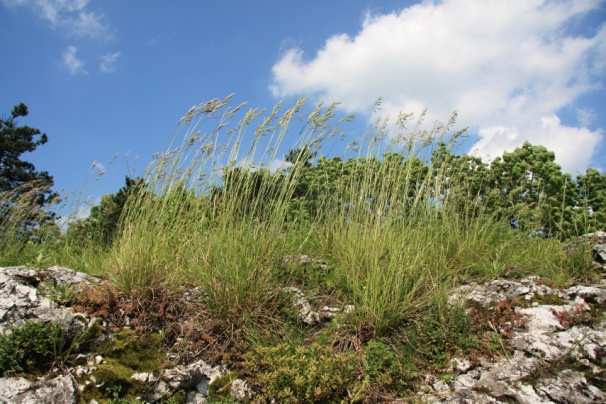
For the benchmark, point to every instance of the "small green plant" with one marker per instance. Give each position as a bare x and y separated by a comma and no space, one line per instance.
31,347
441,332
302,374
384,367
61,293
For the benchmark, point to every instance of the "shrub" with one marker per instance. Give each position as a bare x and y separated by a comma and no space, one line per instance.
312,373
31,347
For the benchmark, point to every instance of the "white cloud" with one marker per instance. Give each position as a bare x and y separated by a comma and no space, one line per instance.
71,15
278,165
585,117
71,61
507,67
573,147
107,62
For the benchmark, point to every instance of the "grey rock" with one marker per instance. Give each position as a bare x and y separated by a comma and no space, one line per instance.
59,390
240,390
304,260
598,237
595,294
196,398
599,253
306,313
68,277
21,300
495,291
570,386
195,377
539,371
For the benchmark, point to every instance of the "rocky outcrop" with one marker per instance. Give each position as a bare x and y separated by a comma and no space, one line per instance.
58,390
21,298
25,295
558,354
195,377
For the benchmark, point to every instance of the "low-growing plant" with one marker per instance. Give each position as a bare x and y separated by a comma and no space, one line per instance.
31,347
307,373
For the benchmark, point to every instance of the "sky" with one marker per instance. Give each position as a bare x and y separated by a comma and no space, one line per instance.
108,80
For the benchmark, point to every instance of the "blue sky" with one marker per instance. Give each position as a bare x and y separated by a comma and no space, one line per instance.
108,80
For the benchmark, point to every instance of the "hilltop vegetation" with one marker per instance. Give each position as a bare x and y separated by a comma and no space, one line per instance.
388,232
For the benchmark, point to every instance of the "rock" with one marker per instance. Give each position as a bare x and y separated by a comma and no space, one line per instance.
304,260
196,398
144,377
570,386
599,253
548,352
59,390
460,365
195,378
20,300
598,237
68,277
240,390
306,314
196,375
500,289
588,293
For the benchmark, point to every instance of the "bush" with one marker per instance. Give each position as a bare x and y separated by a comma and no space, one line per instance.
383,365
312,373
31,347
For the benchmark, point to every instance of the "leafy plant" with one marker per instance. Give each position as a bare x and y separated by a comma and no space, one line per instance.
312,373
31,347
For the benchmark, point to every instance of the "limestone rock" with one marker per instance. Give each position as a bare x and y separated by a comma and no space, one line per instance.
59,390
21,299
195,377
306,312
500,289
548,352
599,253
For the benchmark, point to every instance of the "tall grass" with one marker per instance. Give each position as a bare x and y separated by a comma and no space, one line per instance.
395,234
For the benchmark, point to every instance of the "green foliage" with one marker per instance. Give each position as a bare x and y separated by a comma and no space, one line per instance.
14,172
592,194
440,332
311,373
31,347
143,353
124,354
102,225
24,192
385,368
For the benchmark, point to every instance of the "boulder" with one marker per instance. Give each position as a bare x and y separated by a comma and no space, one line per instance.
21,298
58,390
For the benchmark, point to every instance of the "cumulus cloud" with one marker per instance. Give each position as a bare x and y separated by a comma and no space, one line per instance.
507,67
71,61
72,15
107,62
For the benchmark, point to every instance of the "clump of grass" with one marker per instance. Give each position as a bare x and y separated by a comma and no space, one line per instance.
392,225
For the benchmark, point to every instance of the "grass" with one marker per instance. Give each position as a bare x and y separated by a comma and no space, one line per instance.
396,239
